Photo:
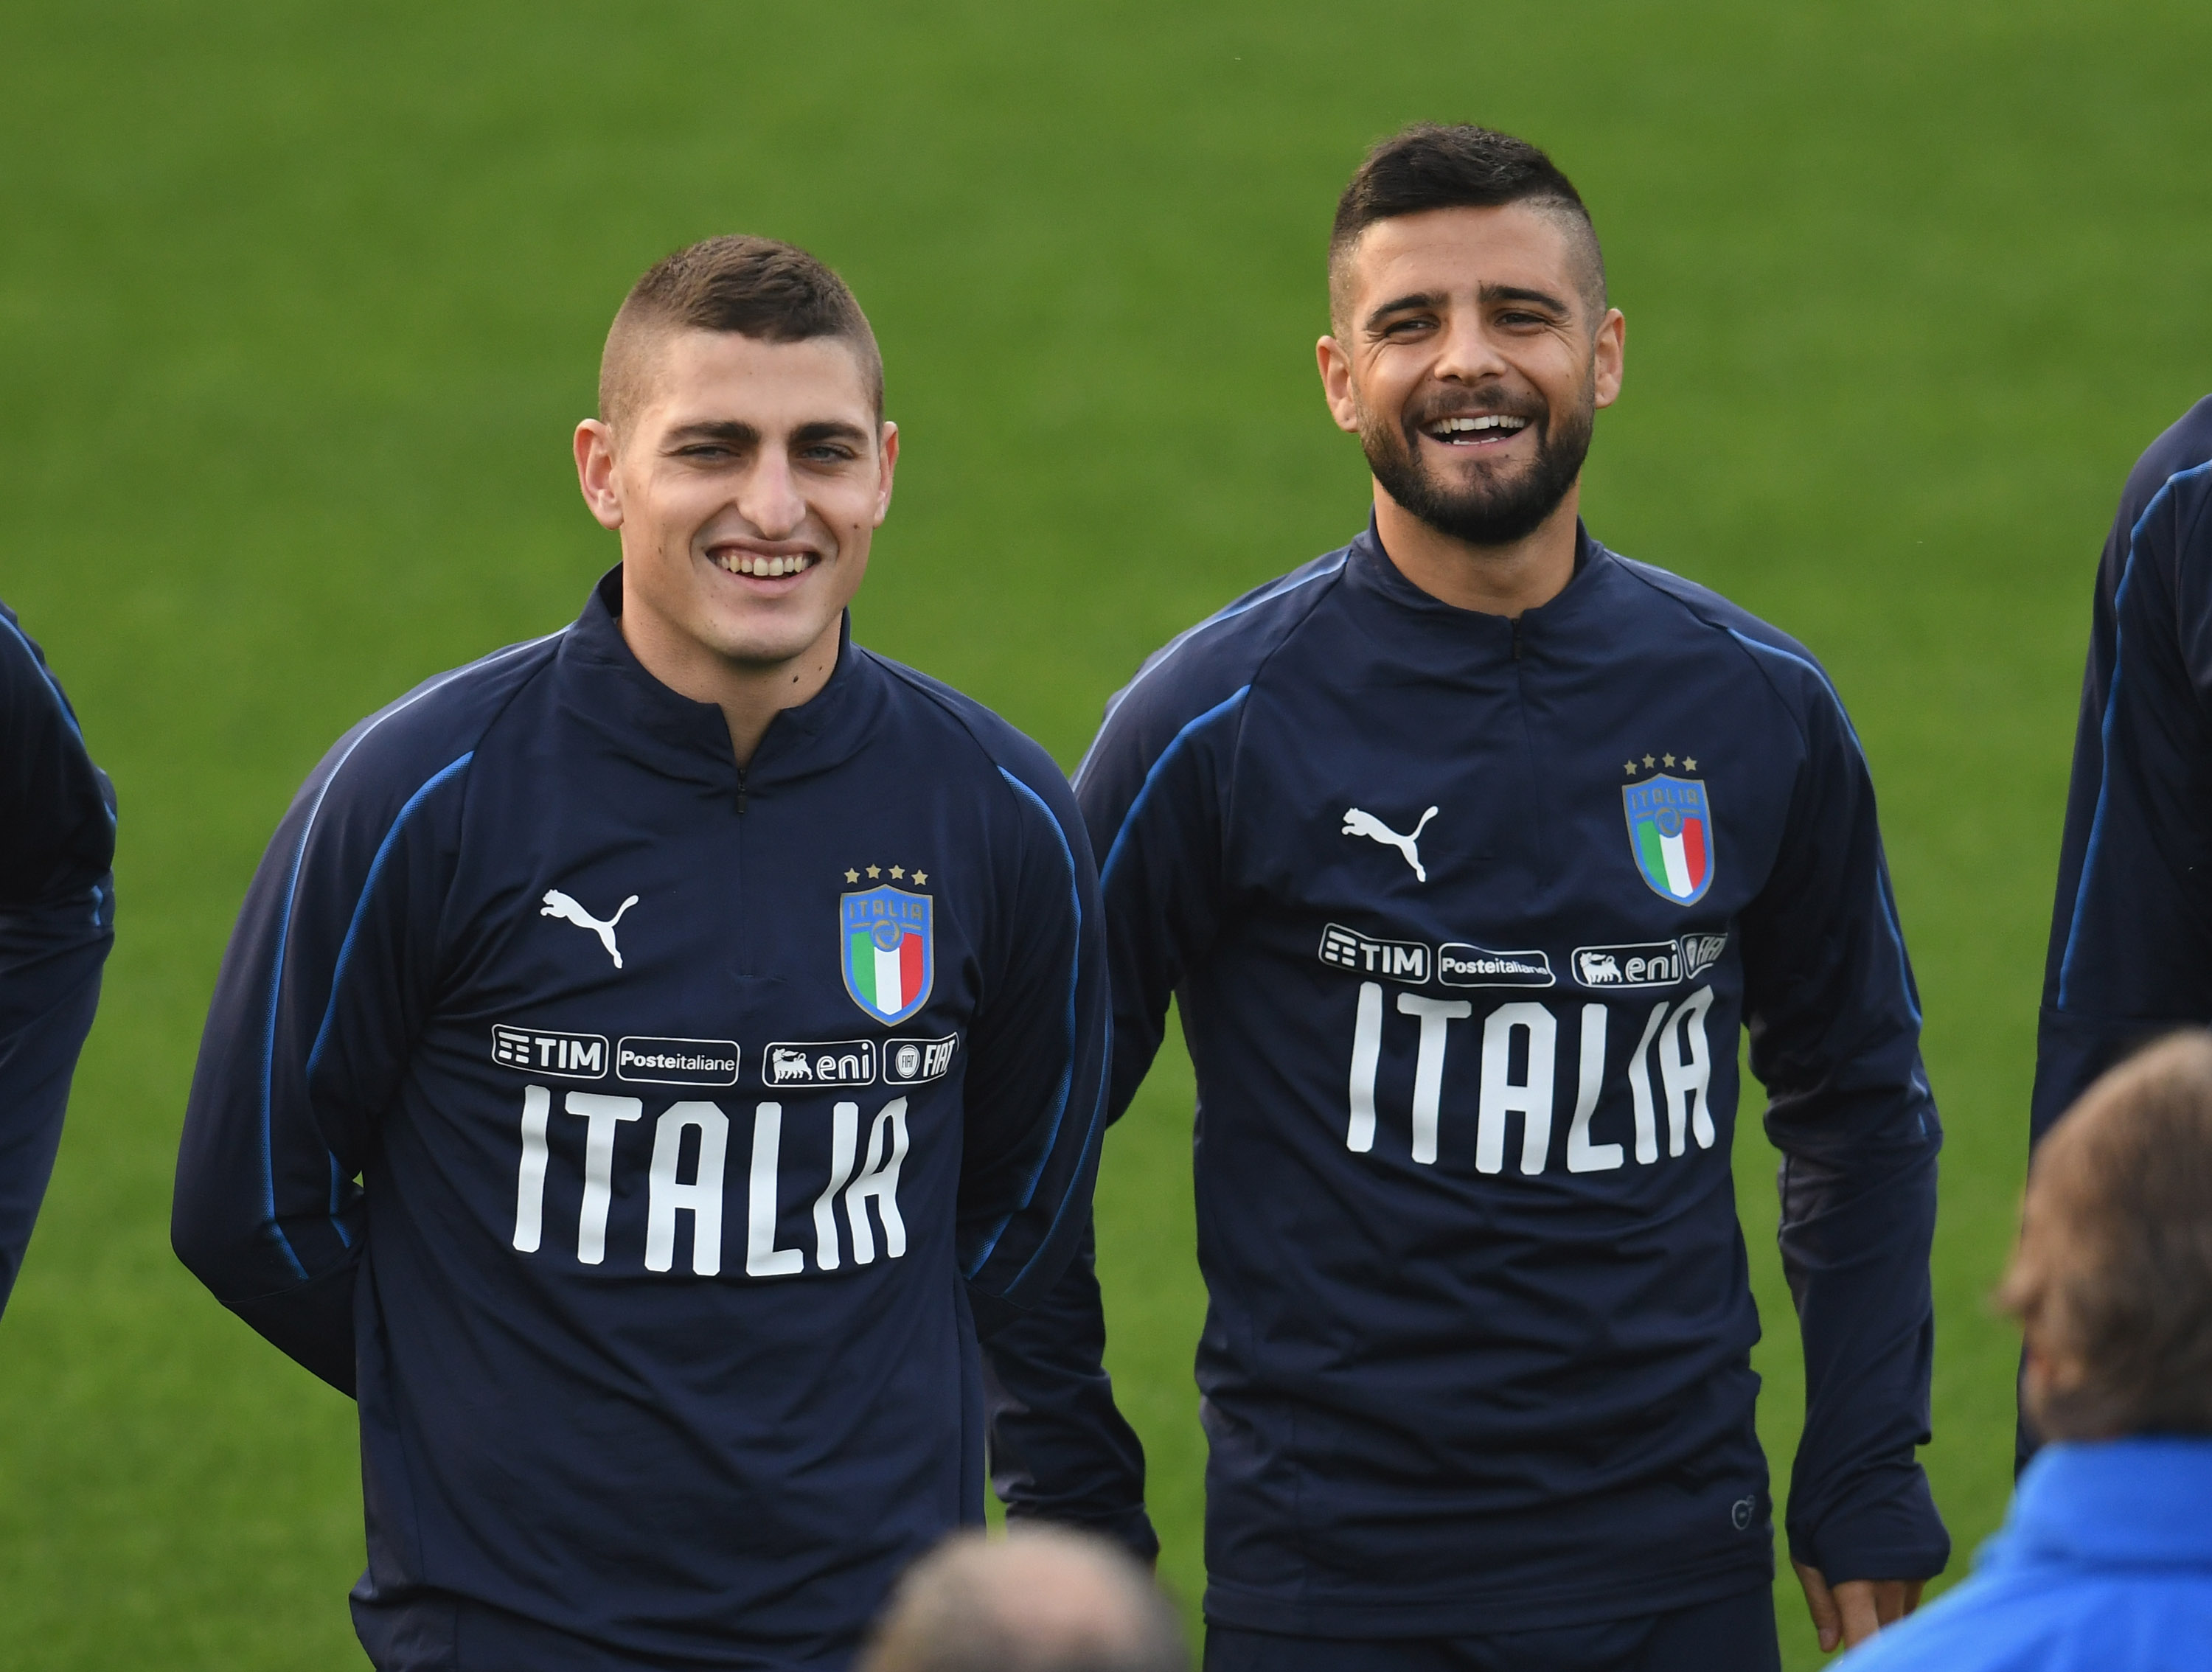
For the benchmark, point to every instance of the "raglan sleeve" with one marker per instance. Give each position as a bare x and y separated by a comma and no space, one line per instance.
1061,1450
322,992
56,924
1834,1021
2130,950
1036,1069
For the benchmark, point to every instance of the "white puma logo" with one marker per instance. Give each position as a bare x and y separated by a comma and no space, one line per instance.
1359,824
559,905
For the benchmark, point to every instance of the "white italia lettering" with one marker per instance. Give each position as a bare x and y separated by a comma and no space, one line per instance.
1639,1088
1685,1069
1582,1156
762,1257
879,1179
702,1197
844,1131
601,1115
1501,1095
1366,1053
529,1176
1437,1015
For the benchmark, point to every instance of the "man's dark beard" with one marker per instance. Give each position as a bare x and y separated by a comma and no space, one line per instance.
1484,512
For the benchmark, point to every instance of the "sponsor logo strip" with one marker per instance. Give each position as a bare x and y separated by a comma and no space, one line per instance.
911,1062
819,1062
652,1062
1399,960
1649,964
1459,964
543,1051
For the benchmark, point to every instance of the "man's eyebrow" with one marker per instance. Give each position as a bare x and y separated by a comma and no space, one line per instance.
1382,311
714,429
828,429
1512,293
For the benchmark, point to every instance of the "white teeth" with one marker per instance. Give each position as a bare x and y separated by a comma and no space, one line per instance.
1487,420
766,568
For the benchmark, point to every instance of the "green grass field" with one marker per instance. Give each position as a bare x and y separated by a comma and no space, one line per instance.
298,304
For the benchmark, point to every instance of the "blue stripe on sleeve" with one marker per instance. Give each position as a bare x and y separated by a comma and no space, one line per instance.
1067,1068
1881,883
1145,790
2105,728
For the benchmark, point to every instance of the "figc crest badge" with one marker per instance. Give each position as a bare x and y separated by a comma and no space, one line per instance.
1670,831
890,954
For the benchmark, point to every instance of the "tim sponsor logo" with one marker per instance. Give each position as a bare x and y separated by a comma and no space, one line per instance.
819,1062
652,1062
1459,964
912,1061
542,1051
1397,960
1649,964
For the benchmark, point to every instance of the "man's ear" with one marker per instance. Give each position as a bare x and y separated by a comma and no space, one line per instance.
887,449
1336,364
595,472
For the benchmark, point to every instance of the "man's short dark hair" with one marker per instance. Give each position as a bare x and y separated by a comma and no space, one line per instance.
1433,165
759,288
2112,1279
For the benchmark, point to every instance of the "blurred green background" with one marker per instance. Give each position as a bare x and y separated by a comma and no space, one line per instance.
298,304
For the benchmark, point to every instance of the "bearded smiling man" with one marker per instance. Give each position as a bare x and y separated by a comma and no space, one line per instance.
1465,851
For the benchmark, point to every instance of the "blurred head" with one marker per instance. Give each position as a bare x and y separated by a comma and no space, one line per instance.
1041,1600
1471,344
2113,1278
740,450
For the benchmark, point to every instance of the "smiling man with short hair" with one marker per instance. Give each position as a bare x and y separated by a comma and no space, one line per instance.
1464,851
639,1049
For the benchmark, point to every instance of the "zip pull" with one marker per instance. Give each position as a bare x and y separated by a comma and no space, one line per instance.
741,792
1516,638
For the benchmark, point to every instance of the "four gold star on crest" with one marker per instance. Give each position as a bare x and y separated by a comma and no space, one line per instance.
921,877
875,871
852,876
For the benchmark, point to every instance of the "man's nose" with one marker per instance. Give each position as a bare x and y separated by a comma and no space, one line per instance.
1467,353
768,498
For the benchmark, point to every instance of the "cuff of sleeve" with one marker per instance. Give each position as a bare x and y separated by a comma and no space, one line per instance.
1899,1537
1130,1528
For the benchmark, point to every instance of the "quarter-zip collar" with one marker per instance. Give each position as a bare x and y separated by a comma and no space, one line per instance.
1380,586
2128,1503
609,690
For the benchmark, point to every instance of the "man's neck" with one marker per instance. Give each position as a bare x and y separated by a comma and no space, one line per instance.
750,697
1493,579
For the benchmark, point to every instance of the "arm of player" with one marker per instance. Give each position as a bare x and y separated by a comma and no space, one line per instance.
1834,1019
57,923
2133,918
1061,1450
320,995
1037,1067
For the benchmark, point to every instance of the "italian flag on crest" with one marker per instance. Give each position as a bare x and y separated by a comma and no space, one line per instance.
888,959
1670,833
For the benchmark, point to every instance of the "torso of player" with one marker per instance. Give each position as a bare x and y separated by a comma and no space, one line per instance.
678,1041
1474,1007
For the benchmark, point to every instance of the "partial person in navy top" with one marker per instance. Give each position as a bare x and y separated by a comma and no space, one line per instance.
57,923
1466,852
2105,1563
644,1053
2130,953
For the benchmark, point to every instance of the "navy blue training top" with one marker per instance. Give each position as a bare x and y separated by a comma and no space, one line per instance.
2131,932
1462,915
57,923
688,1107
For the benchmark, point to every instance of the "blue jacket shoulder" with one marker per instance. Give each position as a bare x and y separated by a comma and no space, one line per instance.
1001,747
1787,667
1203,666
394,751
